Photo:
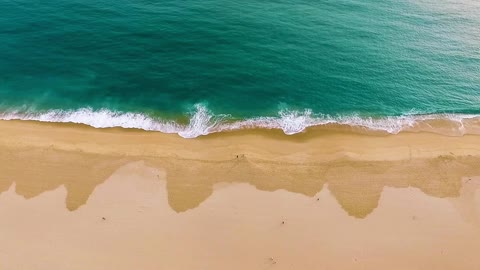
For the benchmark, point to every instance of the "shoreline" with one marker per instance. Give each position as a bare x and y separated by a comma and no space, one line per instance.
318,145
202,122
241,200
270,160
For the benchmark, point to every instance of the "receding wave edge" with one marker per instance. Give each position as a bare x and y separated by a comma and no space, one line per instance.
203,122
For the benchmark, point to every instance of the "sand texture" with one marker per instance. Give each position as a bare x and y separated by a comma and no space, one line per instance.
74,197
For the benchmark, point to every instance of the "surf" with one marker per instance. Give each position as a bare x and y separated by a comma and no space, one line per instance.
203,122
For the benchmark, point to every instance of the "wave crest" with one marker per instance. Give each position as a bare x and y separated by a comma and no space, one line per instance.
203,122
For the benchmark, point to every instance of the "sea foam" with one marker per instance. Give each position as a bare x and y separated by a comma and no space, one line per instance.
203,122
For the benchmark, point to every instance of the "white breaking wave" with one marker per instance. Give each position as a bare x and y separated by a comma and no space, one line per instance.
203,122
99,119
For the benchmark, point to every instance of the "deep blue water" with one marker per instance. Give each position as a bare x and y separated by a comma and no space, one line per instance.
142,63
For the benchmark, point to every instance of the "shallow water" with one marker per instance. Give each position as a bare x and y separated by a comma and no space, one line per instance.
277,64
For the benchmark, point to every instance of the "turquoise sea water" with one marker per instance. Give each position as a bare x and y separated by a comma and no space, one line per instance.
195,67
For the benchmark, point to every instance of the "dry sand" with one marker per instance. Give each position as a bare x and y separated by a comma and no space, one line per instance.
74,197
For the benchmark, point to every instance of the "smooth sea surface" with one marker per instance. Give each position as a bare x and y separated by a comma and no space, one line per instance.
194,67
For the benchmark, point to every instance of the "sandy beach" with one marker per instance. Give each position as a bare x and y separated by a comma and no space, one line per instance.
75,197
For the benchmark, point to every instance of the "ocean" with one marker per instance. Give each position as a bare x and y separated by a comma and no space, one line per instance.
196,67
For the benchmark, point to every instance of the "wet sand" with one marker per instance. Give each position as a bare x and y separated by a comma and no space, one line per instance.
73,197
